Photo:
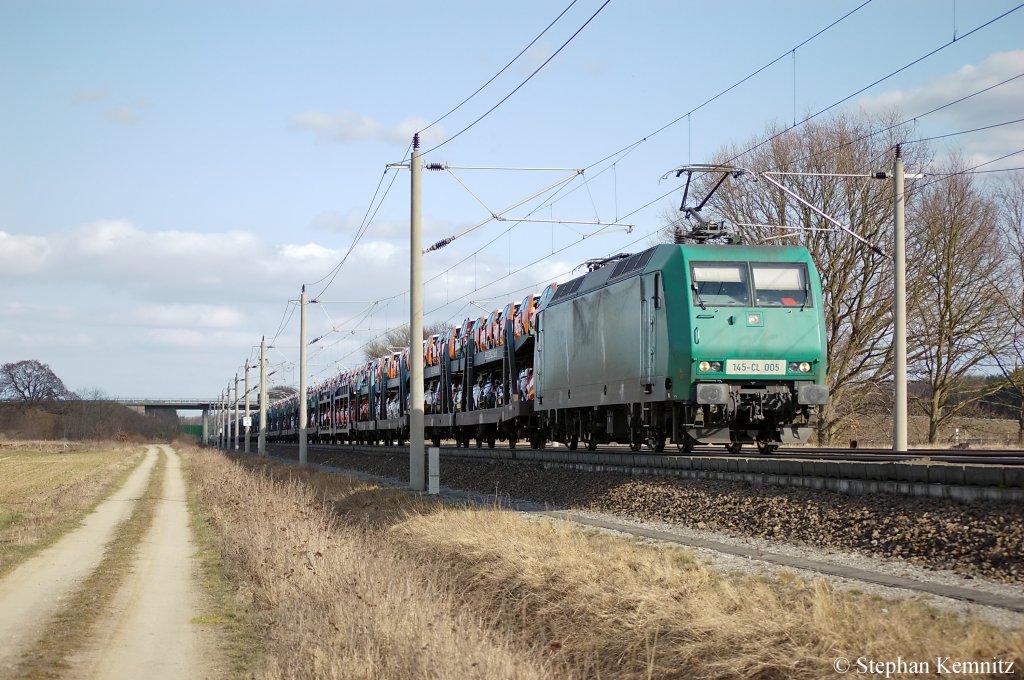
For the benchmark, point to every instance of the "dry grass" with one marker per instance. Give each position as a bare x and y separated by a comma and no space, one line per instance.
45,490
983,433
616,608
355,581
334,600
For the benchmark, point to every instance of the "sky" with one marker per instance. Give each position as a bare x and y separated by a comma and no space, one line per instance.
172,173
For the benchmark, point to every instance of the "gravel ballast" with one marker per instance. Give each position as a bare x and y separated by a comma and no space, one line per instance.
978,540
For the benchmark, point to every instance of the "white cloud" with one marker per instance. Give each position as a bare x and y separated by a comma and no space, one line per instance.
90,95
188,315
348,126
22,255
597,67
534,58
381,228
113,299
125,115
193,339
997,105
122,115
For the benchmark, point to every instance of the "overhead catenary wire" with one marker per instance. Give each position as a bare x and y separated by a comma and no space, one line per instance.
967,171
962,132
734,85
876,82
289,310
520,85
501,70
359,232
837,103
332,274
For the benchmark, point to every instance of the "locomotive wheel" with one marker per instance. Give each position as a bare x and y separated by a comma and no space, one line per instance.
635,445
591,444
766,447
656,443
436,441
573,442
535,441
512,442
734,447
490,442
479,441
685,447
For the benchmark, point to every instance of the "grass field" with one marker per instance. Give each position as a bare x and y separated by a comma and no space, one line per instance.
46,489
343,579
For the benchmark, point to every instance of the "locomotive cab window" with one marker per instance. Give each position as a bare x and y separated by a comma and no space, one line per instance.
720,284
781,285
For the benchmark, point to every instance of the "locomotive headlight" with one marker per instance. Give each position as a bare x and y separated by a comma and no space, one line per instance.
710,367
704,366
801,367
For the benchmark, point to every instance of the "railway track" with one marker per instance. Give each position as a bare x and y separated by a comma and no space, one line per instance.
1011,457
988,476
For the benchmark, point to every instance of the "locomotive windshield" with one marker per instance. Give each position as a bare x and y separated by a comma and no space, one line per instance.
780,285
721,284
727,284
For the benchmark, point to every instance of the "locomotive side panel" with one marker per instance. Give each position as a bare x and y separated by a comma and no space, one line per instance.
589,349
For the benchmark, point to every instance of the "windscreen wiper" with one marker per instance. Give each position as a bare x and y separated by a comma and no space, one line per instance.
700,301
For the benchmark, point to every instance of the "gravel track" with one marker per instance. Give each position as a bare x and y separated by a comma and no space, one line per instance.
979,540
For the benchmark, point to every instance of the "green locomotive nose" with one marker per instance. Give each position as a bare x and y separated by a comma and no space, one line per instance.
698,343
751,341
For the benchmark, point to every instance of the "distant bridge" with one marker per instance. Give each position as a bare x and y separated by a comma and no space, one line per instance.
169,407
164,404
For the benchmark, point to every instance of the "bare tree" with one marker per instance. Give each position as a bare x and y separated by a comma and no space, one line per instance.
399,337
954,256
31,383
856,279
1009,356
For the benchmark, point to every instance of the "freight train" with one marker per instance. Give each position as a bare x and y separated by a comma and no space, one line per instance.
688,343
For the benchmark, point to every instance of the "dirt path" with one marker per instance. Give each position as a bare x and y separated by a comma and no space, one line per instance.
149,631
31,593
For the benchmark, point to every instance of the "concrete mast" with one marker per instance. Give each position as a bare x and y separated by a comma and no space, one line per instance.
899,308
247,417
416,476
234,418
302,377
261,444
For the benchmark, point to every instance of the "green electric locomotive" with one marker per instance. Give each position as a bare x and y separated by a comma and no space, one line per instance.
697,343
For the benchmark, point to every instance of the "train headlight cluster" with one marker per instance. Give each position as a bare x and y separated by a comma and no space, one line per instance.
799,367
710,367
